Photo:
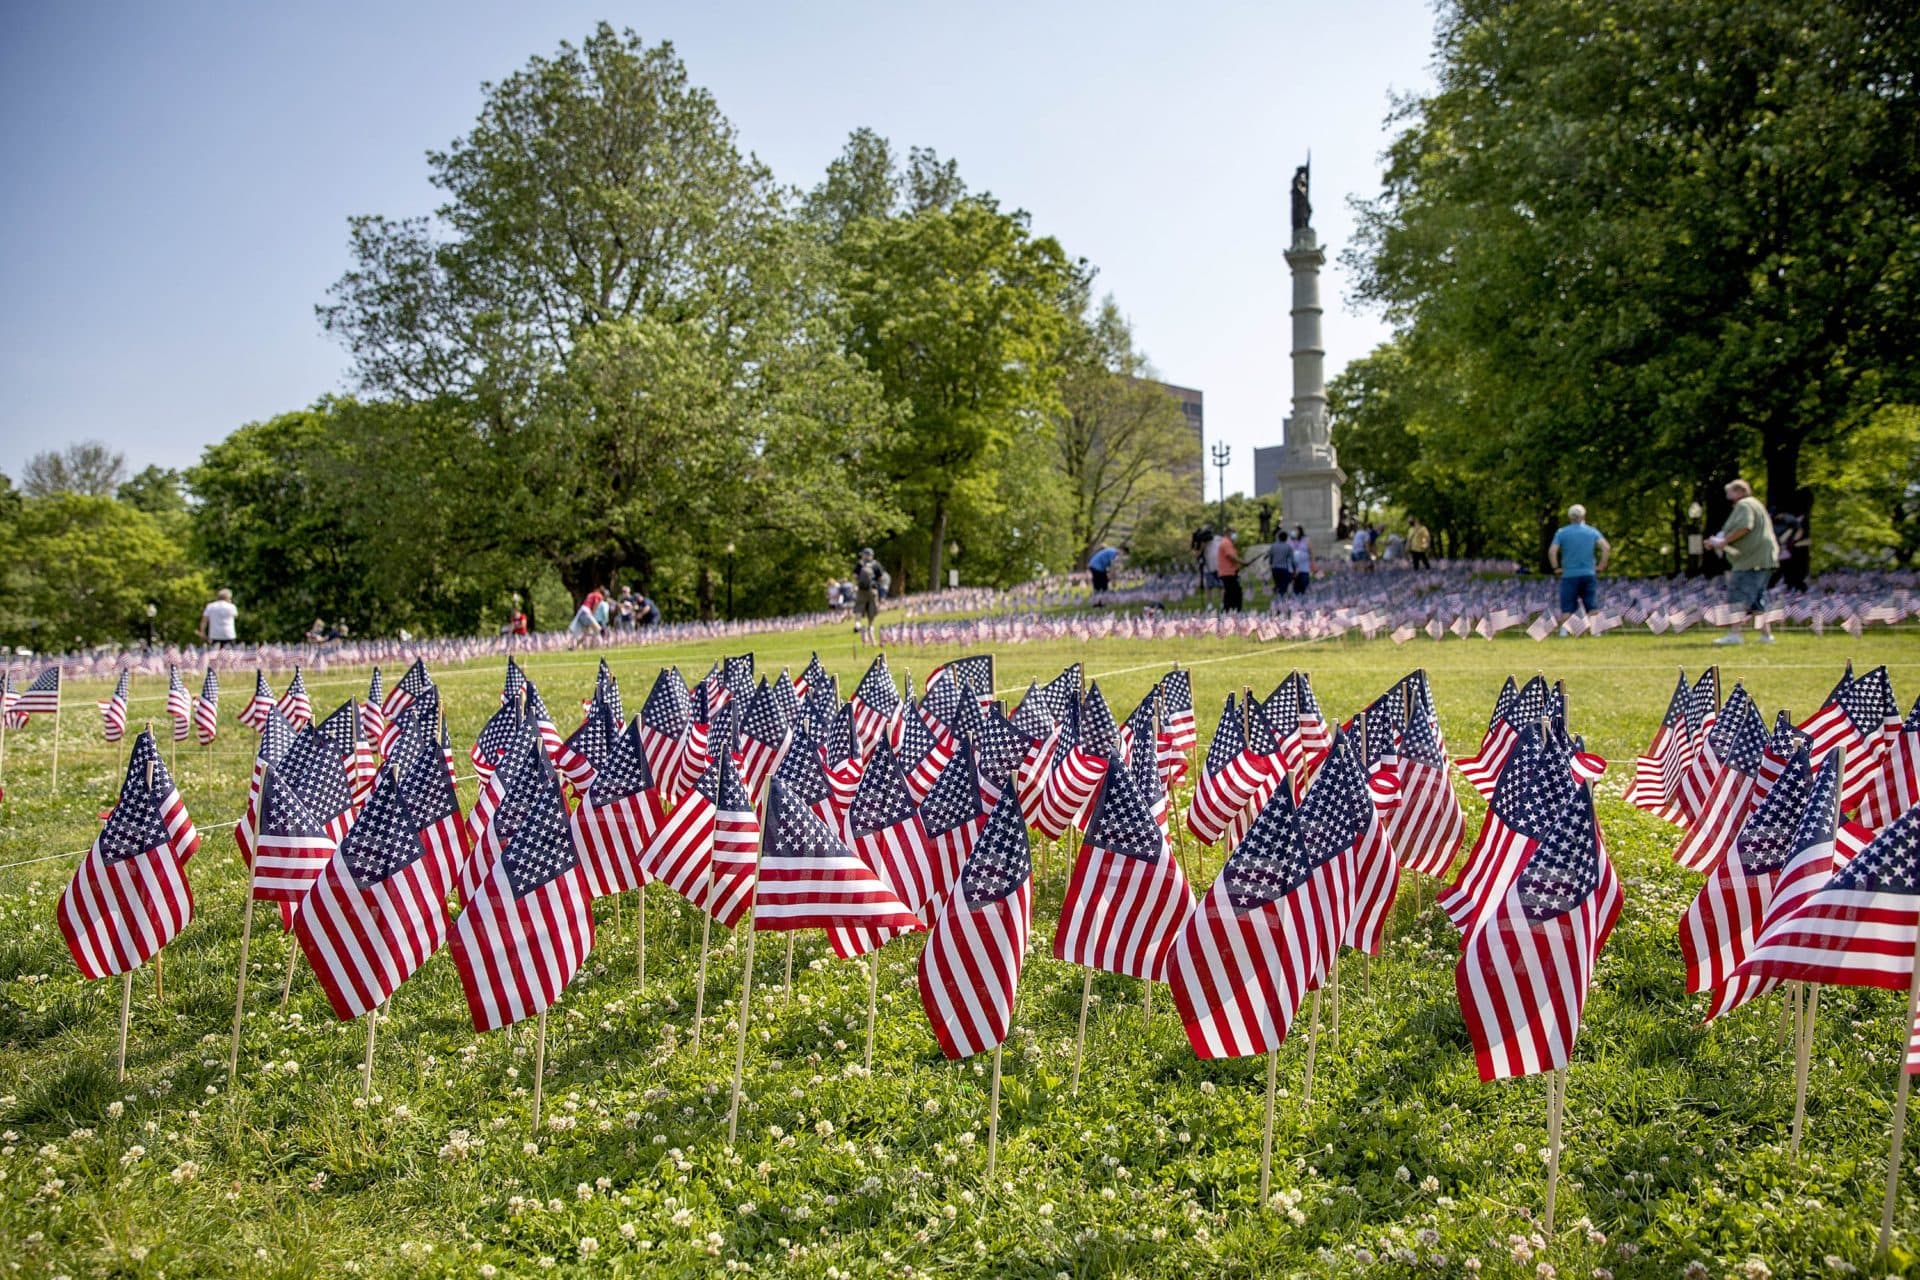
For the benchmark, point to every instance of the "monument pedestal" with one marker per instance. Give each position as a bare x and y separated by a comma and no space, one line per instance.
1305,471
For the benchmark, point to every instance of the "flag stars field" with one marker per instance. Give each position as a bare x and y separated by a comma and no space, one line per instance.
1675,1130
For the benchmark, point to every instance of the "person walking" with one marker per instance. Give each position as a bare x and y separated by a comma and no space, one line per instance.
1752,553
1100,566
1360,550
217,619
1579,553
1796,550
1302,560
1419,543
866,596
1229,571
1280,563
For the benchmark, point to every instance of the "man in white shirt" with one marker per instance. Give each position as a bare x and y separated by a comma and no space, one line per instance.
216,620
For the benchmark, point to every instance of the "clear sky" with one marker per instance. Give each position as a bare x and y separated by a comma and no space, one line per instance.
178,177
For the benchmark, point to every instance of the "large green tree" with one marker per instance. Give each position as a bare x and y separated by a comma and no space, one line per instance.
82,569
1654,241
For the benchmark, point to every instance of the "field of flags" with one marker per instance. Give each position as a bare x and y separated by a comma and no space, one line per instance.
771,804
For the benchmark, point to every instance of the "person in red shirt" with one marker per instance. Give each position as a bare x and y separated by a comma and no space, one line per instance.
1229,573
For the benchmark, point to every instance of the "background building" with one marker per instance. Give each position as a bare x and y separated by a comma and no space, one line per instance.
1193,404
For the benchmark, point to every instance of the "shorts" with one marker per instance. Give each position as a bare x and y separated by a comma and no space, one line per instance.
1747,589
1579,589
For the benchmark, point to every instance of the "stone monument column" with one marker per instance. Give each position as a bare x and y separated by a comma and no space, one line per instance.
1309,476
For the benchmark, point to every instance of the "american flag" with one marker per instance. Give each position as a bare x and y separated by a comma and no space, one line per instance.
1525,970
1265,933
276,736
254,714
620,813
292,845
665,717
1315,734
316,770
810,880
1720,924
423,711
1352,800
497,736
1705,766
377,910
1428,824
512,684
1787,738
499,810
1146,775
1856,929
342,732
179,704
786,698
1737,743
206,710
1535,785
764,731
1420,704
737,674
573,766
970,967
130,896
804,772
593,740
1229,778
1073,774
924,750
706,848
968,719
173,810
1703,705
974,673
1127,897
820,705
844,759
1871,720
1061,695
886,832
415,682
952,813
1656,773
1894,787
1525,710
528,928
1177,722
42,697
875,704
372,720
1003,750
113,712
943,700
1032,717
426,784
607,690
812,676
295,705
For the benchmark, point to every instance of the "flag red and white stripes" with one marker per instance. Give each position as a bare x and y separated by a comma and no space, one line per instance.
970,967
1127,896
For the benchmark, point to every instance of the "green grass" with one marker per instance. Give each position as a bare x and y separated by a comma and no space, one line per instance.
1676,1133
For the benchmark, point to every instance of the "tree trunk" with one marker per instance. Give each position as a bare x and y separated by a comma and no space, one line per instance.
1782,451
937,552
1549,525
703,593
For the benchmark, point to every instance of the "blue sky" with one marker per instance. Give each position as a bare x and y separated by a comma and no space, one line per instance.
178,177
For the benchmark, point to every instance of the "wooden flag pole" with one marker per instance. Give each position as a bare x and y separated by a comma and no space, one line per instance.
539,1070
246,940
1556,1107
700,994
126,1013
6,685
1313,1043
1802,1057
1900,1107
293,958
160,976
640,942
1080,1041
993,1121
1146,1004
740,1045
1333,1003
366,1067
1266,1139
786,982
873,1002
58,694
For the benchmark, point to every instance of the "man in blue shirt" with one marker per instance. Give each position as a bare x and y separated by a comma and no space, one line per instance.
1100,565
1580,553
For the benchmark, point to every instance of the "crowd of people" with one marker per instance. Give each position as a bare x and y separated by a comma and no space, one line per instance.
605,611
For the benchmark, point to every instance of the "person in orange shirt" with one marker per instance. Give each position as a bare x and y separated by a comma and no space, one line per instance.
1229,573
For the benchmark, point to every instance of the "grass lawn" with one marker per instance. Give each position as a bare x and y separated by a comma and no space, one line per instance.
1405,1164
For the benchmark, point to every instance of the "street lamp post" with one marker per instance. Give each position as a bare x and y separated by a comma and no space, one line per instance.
729,582
1222,455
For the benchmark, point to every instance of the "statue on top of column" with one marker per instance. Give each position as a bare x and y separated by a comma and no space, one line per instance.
1302,208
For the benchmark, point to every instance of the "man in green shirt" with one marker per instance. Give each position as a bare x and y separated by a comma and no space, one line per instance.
1752,553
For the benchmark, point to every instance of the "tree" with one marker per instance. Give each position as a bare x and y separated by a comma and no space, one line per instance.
83,569
88,468
1122,441
1654,242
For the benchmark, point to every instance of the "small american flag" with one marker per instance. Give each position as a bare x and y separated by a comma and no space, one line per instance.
179,705
973,673
130,896
412,685
1525,969
888,835
952,813
1524,710
276,736
1060,695
1895,786
1176,711
1656,773
498,735
528,928
943,700
512,684
295,705
1003,750
764,731
706,848
1534,785
810,880
970,967
1735,746
812,676
423,711
372,720
876,704
925,747
426,784
113,712
1230,777
1428,825
736,673
606,690
593,740
619,815
1071,778
320,776
1350,808
42,697
1127,897
254,714
342,732
292,845
377,910
665,717
804,772
206,710
573,766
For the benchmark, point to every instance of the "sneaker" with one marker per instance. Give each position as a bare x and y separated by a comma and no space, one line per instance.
1732,637
1765,637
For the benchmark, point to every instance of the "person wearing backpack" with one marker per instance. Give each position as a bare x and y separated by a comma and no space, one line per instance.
869,580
